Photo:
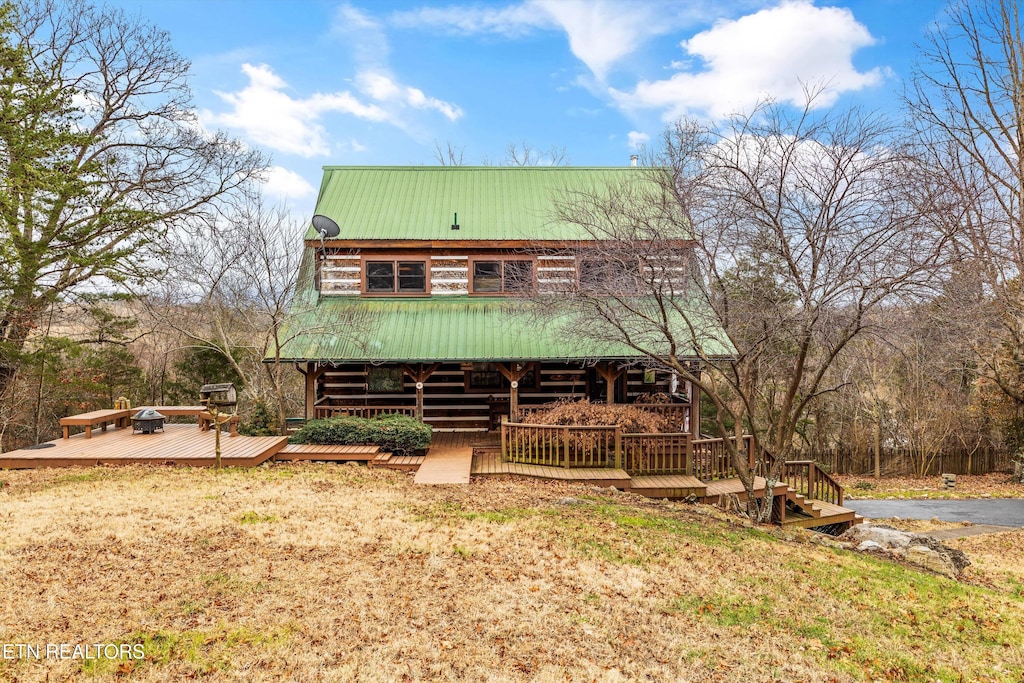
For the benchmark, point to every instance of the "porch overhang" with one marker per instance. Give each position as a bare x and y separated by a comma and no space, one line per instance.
444,329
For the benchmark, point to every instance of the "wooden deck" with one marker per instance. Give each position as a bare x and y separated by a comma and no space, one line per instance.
182,444
488,462
296,451
445,465
726,487
668,486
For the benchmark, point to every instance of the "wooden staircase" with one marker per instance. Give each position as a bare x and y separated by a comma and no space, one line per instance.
805,512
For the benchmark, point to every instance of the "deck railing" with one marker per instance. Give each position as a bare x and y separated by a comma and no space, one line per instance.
607,446
641,454
711,459
321,412
674,412
561,446
656,454
805,477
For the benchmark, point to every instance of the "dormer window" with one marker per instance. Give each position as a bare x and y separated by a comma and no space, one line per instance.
503,276
402,277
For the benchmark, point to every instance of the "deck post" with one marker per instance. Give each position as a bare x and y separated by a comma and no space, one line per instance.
689,454
565,446
811,470
504,437
618,447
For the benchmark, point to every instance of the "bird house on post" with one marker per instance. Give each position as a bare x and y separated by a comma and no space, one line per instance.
217,397
220,395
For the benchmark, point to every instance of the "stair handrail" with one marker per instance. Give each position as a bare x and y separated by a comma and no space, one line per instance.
820,484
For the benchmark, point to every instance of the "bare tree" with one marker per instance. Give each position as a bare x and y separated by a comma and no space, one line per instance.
967,105
231,290
100,155
227,290
523,154
450,154
760,248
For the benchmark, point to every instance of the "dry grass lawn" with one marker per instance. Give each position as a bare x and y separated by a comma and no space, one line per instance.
334,573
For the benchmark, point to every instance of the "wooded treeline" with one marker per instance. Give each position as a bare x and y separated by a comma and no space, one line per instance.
866,268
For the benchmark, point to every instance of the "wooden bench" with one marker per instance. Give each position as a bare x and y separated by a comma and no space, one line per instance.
206,421
96,418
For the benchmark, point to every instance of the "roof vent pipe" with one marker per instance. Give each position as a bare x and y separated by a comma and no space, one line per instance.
633,158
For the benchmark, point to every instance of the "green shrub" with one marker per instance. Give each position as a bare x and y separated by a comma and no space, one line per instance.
260,423
399,434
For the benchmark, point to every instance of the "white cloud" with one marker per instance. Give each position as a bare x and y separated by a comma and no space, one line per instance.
362,34
513,21
773,53
383,88
600,32
283,185
369,44
637,139
270,117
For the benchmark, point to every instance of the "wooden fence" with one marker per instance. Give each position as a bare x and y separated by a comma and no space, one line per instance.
907,462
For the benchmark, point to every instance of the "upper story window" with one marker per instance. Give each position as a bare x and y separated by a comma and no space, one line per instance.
403,277
606,275
501,276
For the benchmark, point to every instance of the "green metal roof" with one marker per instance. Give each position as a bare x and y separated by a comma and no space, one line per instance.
492,202
451,328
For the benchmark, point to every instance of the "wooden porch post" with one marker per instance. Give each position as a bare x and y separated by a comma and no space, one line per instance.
419,375
513,374
312,373
609,373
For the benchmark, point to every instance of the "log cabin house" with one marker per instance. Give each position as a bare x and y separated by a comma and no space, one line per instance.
417,305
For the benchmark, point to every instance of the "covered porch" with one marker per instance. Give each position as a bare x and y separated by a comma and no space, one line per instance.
475,395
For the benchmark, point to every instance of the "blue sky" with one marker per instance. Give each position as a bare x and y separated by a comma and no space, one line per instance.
367,82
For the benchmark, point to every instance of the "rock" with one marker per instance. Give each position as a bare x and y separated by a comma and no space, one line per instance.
880,534
956,557
921,551
869,546
927,558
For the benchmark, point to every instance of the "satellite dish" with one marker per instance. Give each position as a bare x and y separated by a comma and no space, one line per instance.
325,226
